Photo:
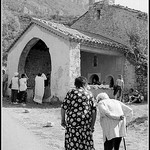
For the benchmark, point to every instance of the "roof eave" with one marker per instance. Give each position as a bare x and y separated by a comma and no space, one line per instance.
48,28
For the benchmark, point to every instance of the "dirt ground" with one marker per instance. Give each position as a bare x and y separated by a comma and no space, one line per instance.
35,120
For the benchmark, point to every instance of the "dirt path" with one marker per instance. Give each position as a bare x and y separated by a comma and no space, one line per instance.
16,137
53,137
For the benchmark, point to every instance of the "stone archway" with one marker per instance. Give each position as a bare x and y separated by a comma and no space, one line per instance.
35,58
94,79
110,81
24,54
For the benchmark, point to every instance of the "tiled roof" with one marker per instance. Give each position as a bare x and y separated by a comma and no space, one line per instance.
75,34
72,34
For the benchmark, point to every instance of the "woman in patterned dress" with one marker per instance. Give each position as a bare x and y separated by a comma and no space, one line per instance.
80,111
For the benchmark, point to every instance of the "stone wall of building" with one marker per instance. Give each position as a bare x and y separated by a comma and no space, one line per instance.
106,65
75,67
129,75
115,23
59,52
121,24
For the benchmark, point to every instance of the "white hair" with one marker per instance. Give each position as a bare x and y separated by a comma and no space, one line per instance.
102,96
16,73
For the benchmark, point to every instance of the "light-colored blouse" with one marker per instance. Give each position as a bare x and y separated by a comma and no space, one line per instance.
110,112
120,83
23,84
15,83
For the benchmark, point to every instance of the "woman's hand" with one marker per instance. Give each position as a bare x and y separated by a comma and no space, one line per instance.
63,124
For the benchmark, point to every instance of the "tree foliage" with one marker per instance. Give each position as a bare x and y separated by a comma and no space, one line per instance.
16,15
138,58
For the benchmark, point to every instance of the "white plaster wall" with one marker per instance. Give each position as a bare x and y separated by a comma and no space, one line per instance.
59,51
75,62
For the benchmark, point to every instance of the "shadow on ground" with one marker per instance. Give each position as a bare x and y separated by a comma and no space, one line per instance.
6,103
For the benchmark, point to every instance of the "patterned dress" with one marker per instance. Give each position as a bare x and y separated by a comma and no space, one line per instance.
79,105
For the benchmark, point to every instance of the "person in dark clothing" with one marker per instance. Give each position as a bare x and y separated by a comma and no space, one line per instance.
5,83
80,110
118,88
135,96
14,88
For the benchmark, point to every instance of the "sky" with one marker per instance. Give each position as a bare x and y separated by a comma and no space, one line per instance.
141,5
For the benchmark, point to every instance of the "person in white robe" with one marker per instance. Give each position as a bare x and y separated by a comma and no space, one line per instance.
39,88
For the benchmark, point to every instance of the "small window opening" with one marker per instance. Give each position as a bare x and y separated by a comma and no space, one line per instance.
95,61
98,14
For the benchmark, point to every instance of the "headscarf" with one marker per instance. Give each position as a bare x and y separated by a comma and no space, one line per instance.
16,73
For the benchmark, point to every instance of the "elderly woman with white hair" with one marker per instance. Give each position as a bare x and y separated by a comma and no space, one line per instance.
113,117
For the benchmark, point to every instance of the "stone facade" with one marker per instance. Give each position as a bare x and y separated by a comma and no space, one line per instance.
65,53
114,22
120,24
129,75
75,60
111,62
60,51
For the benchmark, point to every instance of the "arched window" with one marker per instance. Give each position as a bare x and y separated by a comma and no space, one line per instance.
98,14
95,61
94,79
110,81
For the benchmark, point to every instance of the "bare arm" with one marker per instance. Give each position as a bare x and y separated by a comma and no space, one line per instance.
63,121
94,113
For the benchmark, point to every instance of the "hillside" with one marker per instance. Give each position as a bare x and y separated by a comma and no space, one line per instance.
16,15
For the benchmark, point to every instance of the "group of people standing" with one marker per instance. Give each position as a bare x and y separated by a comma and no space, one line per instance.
78,116
79,111
18,88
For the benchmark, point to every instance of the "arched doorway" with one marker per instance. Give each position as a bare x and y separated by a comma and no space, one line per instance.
94,79
110,81
35,58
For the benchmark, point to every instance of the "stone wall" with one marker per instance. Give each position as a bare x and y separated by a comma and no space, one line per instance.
37,61
119,24
129,75
107,65
59,52
74,62
114,22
